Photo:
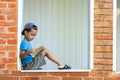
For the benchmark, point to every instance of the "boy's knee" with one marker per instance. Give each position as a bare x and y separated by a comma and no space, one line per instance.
44,52
43,47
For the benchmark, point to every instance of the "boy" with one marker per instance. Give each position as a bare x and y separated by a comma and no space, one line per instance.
33,63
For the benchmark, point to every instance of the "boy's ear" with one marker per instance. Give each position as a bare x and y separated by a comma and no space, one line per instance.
25,32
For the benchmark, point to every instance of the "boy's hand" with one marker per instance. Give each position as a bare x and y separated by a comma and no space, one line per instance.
23,53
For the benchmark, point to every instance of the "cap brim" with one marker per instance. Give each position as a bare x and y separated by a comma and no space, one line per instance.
22,32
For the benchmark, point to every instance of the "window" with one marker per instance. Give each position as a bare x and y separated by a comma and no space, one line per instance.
116,36
64,27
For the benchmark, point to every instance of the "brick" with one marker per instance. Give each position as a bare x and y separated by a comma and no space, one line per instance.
108,55
108,18
37,74
12,54
114,75
8,11
103,36
18,73
103,11
2,41
107,24
50,78
108,30
11,66
100,73
108,67
103,1
103,61
3,5
59,73
103,48
98,67
8,36
4,72
98,55
2,17
8,0
72,78
103,24
2,60
2,54
98,17
98,5
4,23
11,60
2,66
29,78
98,42
12,5
108,42
98,23
12,17
9,78
98,30
8,48
108,5
79,74
8,60
12,29
2,30
118,78
12,41
93,78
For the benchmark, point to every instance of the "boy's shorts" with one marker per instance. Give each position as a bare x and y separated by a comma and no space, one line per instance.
38,61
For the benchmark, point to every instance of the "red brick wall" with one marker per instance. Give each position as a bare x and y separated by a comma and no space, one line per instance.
103,26
103,36
8,36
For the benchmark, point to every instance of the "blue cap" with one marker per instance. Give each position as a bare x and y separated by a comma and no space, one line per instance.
29,26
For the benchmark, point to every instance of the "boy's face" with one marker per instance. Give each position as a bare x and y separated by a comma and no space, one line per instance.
30,35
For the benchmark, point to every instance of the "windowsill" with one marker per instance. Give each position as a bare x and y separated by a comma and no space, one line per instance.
45,70
118,72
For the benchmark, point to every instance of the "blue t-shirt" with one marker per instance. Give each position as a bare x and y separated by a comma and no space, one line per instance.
26,45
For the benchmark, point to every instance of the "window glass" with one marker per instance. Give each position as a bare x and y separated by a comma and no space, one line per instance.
63,27
118,36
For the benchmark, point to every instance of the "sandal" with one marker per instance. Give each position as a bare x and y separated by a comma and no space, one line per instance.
65,67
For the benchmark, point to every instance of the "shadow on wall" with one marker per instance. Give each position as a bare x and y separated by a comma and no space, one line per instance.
118,5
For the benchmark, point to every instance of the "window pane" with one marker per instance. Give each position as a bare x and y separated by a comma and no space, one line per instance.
118,37
63,27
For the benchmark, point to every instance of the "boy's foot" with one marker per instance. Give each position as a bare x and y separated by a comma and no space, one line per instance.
65,67
39,69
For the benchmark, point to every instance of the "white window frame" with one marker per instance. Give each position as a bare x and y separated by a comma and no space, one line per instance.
114,36
20,17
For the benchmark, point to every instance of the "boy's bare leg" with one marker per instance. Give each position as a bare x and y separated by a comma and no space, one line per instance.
50,56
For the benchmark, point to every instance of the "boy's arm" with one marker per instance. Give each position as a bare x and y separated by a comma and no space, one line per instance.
24,53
